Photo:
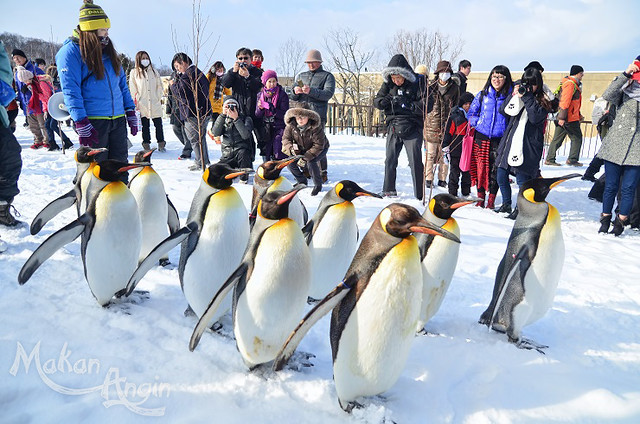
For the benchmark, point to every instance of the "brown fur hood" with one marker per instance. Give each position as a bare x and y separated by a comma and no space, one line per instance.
290,117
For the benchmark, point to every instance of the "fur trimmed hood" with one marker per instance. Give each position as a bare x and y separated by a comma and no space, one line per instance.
290,116
398,65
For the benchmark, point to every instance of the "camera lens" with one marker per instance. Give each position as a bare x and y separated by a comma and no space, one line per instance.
522,89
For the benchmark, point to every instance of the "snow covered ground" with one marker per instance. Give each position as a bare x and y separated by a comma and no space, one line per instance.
63,358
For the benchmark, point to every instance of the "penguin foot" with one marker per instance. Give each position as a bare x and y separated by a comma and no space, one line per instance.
216,326
530,345
300,360
349,406
164,262
189,312
425,332
138,296
312,301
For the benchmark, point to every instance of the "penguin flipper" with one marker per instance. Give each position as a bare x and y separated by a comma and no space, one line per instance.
513,281
63,236
155,255
173,220
52,209
325,306
305,213
307,231
239,274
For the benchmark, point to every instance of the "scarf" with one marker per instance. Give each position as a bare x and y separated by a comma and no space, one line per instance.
515,105
217,92
633,90
269,99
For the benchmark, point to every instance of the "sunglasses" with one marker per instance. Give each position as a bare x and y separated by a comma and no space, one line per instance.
243,58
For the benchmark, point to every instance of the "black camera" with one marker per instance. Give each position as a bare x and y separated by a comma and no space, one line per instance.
232,106
242,65
524,88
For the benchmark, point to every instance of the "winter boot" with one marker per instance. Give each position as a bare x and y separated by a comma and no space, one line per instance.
514,214
605,223
481,195
162,146
491,202
618,225
5,215
504,208
429,183
146,146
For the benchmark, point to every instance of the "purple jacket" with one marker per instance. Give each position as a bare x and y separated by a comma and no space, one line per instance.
486,117
279,111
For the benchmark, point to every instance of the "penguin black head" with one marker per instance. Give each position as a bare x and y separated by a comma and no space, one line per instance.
399,220
143,156
444,204
270,170
220,175
275,205
348,190
537,189
86,154
112,170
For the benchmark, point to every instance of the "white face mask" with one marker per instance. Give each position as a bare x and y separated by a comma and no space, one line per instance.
219,73
444,76
145,62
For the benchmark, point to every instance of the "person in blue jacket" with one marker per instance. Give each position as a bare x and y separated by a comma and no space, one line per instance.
95,85
489,124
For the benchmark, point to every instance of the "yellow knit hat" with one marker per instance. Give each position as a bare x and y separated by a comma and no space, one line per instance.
92,17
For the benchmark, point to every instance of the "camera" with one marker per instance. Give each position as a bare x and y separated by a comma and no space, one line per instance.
242,65
232,106
524,88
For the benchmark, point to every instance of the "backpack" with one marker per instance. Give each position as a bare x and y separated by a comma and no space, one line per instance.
7,94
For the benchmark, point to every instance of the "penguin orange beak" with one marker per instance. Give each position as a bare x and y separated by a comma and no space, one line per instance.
147,154
234,174
94,152
132,166
288,196
425,227
562,179
368,193
461,204
285,162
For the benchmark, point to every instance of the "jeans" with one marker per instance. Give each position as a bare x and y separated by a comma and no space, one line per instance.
178,130
52,129
197,136
627,178
502,175
572,129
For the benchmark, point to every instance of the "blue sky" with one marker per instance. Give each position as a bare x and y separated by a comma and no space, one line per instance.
598,34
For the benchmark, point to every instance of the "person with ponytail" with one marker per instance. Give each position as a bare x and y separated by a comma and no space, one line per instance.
146,89
95,85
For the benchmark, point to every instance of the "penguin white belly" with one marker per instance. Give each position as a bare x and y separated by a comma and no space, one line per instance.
114,243
541,280
296,209
222,242
437,271
273,300
148,190
376,340
332,248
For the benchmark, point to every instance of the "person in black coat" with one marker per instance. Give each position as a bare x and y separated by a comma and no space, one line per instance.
235,128
520,148
455,130
401,100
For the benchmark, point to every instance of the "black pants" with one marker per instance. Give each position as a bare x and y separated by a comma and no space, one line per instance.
10,164
52,129
314,169
413,144
146,131
454,176
594,166
112,134
241,158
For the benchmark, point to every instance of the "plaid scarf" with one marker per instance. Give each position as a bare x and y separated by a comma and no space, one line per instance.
217,93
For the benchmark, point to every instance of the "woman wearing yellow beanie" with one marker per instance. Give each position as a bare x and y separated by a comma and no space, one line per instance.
95,85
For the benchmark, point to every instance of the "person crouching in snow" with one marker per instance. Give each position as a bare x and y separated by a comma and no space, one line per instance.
305,136
271,107
35,106
235,129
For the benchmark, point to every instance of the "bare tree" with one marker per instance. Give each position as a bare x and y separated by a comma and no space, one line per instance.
290,58
424,46
349,60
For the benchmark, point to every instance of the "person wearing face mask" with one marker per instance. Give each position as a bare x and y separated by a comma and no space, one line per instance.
146,89
217,92
95,85
257,58
444,94
620,148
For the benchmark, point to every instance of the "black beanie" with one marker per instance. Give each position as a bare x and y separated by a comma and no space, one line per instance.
535,65
576,69
18,52
465,98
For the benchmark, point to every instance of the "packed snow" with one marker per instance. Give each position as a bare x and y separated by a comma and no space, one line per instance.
66,359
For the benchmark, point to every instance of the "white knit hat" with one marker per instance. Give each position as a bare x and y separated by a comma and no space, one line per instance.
23,74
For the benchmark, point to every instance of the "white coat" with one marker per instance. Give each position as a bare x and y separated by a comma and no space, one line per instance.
146,91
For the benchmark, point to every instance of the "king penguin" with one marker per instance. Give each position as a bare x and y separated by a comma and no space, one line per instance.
529,271
375,308
111,234
266,179
439,255
270,285
85,160
332,236
213,240
157,213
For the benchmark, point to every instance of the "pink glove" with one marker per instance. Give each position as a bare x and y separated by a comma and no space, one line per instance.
132,120
87,135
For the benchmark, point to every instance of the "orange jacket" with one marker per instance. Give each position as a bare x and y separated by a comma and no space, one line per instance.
570,100
216,104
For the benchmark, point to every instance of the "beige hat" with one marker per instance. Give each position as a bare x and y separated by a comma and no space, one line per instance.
313,56
421,69
23,74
